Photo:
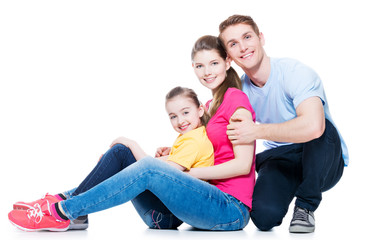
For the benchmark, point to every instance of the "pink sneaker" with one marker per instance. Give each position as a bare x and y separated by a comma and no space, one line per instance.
37,218
25,206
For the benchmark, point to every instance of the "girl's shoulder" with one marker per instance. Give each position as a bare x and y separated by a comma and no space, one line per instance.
194,134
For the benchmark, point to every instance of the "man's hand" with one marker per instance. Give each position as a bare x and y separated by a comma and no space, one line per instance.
241,130
162,151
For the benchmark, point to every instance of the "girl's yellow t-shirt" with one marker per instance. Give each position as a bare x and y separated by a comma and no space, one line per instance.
192,149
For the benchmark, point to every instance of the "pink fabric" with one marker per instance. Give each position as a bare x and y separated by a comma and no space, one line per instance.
54,212
240,187
58,197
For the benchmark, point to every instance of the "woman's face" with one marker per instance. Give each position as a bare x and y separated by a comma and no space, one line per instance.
210,68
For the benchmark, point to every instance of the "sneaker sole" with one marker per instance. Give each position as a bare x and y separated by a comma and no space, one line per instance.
72,226
21,207
43,229
78,226
301,229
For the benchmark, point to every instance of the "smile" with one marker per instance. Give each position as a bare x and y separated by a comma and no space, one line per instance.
247,55
184,127
209,80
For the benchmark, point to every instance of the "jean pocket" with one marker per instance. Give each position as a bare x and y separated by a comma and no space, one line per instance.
232,226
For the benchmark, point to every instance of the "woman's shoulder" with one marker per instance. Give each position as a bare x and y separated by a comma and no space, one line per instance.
235,99
235,94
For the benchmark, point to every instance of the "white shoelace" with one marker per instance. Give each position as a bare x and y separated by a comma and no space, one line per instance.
36,212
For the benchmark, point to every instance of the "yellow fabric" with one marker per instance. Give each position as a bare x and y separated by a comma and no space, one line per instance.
192,149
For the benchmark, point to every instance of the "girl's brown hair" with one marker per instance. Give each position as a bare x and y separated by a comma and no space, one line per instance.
189,93
232,79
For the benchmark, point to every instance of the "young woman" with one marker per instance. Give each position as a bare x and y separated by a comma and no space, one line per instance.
223,204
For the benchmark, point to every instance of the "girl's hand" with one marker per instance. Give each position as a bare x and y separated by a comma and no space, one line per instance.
122,140
162,151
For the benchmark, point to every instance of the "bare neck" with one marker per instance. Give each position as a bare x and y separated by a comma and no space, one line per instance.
260,73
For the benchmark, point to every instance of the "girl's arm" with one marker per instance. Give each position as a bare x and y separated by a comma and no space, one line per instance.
137,151
240,165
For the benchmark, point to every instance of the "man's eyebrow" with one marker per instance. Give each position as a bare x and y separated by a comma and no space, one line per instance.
234,40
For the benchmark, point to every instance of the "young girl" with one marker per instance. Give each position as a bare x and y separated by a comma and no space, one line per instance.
222,205
192,148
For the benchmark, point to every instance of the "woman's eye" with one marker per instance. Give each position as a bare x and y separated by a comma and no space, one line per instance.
198,66
172,117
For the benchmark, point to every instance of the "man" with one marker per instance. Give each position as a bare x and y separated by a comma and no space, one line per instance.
305,153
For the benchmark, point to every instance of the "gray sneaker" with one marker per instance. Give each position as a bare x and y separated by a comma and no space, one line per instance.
80,223
302,222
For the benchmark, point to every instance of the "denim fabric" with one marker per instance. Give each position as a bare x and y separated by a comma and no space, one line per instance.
152,211
113,161
302,170
191,200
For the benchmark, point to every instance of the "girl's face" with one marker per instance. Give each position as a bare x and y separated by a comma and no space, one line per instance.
210,68
184,114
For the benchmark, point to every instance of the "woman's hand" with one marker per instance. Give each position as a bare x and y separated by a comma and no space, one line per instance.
162,151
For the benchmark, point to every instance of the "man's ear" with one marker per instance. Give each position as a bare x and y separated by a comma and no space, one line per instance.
262,39
228,61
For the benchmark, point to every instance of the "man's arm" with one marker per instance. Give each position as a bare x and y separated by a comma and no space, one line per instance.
308,125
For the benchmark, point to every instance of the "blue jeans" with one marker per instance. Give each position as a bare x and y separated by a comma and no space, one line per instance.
301,170
152,211
191,200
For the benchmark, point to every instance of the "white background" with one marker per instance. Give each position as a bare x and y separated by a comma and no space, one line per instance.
74,75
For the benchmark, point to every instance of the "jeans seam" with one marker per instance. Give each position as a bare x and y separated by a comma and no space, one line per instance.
239,209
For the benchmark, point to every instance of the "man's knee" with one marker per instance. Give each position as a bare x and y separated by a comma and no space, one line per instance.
265,217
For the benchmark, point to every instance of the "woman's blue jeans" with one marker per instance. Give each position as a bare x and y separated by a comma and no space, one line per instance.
161,194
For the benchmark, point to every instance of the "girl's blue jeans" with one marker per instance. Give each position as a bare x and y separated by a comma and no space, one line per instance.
163,196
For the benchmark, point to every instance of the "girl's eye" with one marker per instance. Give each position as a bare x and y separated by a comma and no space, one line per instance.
172,117
247,37
185,113
232,44
215,63
198,66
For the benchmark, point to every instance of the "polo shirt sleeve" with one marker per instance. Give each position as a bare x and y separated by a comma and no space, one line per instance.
301,83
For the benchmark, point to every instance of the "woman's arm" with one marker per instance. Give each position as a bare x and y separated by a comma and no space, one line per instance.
240,165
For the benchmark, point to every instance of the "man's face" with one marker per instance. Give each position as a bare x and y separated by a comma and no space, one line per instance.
243,45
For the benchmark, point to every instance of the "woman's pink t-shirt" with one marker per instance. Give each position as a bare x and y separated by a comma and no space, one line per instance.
240,187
